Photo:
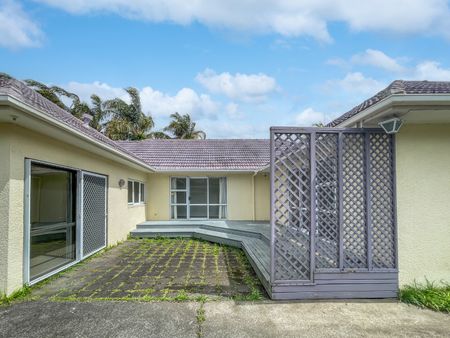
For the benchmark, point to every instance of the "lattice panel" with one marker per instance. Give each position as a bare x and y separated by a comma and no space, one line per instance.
349,171
354,202
94,213
382,205
327,204
291,197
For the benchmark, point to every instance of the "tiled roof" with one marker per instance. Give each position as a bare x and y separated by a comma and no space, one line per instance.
213,154
396,87
20,91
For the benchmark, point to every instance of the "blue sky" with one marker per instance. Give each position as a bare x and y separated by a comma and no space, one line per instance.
237,67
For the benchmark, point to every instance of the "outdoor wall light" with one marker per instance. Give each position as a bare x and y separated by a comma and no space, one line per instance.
121,183
391,126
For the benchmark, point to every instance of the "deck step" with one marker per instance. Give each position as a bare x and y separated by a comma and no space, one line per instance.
184,228
189,226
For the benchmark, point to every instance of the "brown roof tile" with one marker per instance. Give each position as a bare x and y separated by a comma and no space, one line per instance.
396,87
212,154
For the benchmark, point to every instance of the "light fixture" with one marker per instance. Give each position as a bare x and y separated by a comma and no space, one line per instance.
121,183
391,126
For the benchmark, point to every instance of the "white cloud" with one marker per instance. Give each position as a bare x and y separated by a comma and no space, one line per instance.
430,70
309,116
355,82
17,30
155,102
233,112
377,58
288,17
85,90
245,87
184,101
233,129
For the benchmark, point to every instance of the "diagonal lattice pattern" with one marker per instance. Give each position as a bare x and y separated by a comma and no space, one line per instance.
333,202
327,208
382,204
354,202
292,198
94,213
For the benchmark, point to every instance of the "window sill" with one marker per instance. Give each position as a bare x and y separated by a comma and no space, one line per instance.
137,205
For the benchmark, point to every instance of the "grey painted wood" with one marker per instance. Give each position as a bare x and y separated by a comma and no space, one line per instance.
356,275
334,295
327,284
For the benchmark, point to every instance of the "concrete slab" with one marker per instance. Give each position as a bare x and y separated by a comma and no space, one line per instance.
322,319
99,319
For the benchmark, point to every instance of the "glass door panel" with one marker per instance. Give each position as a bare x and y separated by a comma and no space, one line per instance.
198,198
199,191
52,219
178,198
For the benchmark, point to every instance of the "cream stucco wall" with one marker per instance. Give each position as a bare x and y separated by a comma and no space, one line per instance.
23,143
4,207
423,202
262,197
244,203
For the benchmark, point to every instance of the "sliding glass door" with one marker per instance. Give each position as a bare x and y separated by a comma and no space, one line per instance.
65,218
198,198
52,219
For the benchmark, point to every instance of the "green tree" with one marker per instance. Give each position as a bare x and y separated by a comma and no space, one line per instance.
5,76
50,93
55,93
128,121
183,127
99,114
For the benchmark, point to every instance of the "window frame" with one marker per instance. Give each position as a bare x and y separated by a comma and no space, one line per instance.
141,200
188,203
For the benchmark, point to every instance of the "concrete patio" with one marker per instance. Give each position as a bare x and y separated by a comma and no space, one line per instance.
158,269
219,319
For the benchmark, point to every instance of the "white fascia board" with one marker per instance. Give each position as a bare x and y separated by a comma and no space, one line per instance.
392,100
27,109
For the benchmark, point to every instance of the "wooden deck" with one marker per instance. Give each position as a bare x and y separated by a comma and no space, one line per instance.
252,237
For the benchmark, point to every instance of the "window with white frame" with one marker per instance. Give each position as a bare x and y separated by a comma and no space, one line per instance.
136,192
198,197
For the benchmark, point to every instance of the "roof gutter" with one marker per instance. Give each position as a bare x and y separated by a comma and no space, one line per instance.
391,100
28,109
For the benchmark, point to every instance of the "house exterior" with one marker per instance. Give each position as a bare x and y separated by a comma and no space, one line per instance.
422,171
67,191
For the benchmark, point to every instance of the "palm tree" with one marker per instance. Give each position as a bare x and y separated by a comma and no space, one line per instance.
54,94
50,93
128,121
183,127
6,76
158,135
99,114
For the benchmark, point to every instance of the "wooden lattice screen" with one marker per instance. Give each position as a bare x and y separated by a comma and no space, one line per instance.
333,202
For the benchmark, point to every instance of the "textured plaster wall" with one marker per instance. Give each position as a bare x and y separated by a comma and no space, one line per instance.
27,144
241,199
423,197
262,197
4,208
